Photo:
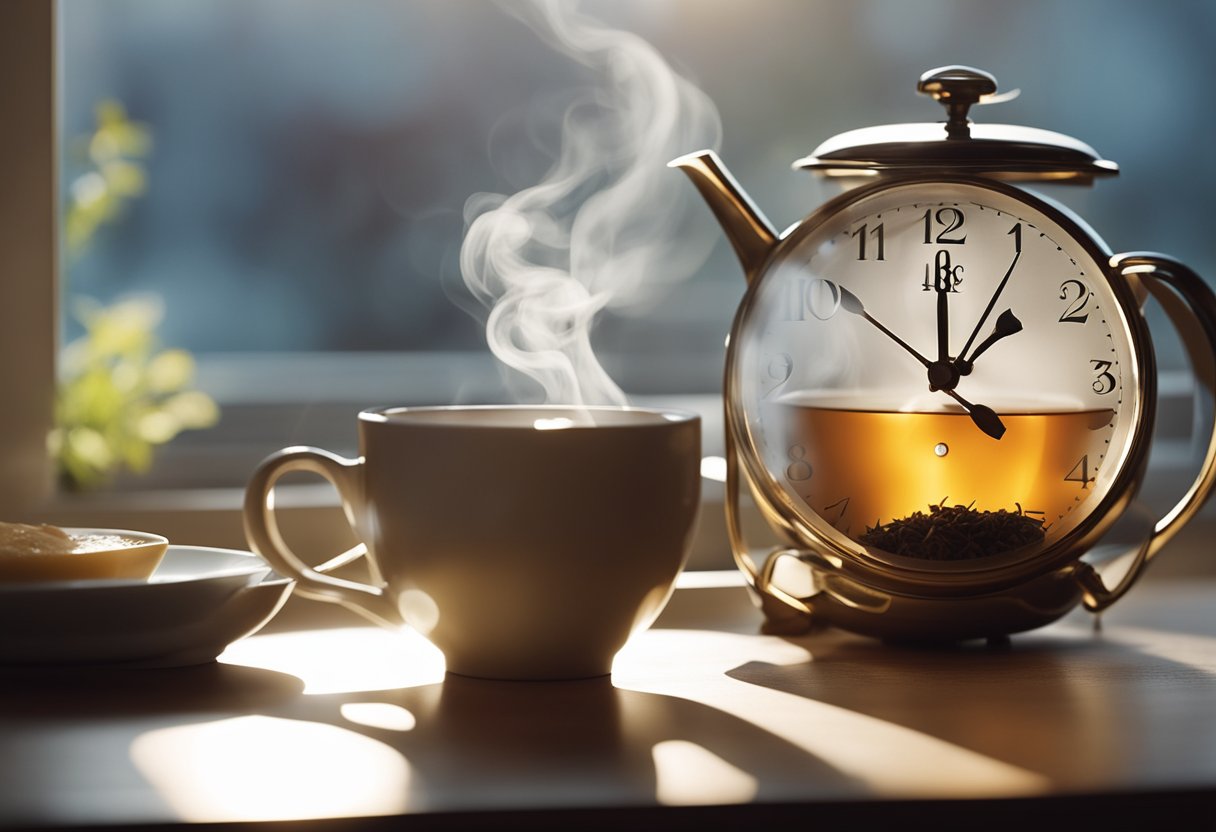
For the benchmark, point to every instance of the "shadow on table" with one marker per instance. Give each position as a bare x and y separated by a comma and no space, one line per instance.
481,744
84,691
1078,708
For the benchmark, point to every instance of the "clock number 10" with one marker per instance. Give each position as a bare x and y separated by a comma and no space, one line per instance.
809,296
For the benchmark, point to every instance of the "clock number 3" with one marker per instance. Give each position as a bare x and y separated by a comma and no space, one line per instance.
1105,381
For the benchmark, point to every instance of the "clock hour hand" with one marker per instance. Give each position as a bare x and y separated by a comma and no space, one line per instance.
1016,232
1006,324
984,417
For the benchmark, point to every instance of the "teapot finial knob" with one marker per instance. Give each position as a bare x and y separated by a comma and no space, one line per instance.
957,88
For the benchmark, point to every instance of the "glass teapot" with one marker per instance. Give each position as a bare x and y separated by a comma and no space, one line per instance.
940,387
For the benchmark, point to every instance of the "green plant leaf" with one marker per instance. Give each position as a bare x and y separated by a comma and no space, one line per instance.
169,371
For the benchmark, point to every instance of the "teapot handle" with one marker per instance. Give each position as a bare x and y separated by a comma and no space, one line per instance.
1191,306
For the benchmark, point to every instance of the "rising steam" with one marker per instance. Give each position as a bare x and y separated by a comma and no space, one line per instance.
599,231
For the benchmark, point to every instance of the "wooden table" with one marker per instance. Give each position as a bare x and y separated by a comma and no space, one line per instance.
704,724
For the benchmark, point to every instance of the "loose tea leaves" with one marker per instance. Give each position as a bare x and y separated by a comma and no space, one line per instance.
955,533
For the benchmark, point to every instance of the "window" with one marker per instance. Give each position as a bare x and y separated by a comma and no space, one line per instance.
313,163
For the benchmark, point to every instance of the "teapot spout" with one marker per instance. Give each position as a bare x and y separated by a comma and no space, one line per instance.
749,231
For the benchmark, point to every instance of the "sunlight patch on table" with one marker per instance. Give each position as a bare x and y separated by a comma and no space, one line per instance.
383,715
343,660
254,768
688,774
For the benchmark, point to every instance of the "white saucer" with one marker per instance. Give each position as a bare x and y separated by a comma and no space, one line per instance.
197,602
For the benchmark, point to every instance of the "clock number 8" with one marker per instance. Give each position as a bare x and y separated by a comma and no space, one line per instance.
799,470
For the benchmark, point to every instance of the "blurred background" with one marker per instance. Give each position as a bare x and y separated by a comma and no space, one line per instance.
298,171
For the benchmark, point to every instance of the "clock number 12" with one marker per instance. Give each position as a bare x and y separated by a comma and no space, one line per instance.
951,219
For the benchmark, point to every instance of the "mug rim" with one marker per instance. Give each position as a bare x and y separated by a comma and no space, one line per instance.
384,414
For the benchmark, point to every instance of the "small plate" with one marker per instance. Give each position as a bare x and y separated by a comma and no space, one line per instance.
197,602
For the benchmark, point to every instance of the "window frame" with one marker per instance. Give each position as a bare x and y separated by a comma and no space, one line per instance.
28,251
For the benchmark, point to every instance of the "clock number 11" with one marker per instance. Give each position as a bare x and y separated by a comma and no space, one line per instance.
860,236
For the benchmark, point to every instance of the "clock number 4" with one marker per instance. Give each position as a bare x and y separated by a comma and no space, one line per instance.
1080,473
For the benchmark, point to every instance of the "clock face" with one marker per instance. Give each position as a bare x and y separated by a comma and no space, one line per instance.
935,370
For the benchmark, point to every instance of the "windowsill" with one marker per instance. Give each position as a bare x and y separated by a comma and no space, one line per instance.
314,524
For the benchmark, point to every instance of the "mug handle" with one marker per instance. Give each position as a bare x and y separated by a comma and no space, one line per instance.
262,531
1191,307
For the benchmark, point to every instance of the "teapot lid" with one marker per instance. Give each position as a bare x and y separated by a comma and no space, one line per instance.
1001,151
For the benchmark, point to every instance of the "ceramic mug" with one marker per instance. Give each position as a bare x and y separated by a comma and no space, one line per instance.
526,542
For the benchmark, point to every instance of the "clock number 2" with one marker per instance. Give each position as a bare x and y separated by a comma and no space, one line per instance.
1077,295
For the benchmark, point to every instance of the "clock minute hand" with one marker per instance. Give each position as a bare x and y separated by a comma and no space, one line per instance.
849,302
